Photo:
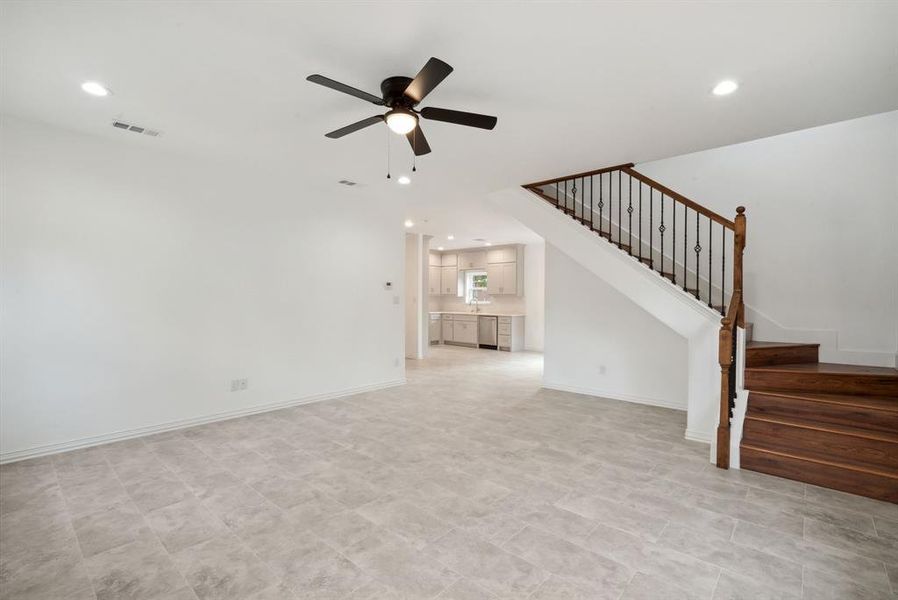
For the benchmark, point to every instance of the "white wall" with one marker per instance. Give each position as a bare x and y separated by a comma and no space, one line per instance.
535,296
136,285
822,211
591,328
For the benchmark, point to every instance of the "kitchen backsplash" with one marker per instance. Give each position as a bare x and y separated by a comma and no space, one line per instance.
499,304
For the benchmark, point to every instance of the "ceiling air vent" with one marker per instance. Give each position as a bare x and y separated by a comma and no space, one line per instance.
135,128
346,182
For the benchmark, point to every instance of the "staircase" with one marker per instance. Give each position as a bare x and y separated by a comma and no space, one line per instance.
831,425
826,424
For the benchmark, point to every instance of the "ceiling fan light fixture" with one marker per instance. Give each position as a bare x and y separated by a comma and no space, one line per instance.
401,121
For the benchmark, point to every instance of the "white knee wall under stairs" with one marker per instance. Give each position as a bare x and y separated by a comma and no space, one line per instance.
666,302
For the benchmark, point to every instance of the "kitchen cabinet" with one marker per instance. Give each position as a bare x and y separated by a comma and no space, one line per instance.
434,279
502,278
447,328
503,254
449,260
435,260
464,332
449,281
472,260
436,325
511,333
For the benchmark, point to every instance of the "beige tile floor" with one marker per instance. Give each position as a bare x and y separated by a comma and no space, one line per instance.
470,482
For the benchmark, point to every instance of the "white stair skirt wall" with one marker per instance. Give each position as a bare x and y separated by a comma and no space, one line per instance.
648,290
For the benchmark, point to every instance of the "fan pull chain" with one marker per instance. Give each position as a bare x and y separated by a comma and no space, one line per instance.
388,152
414,149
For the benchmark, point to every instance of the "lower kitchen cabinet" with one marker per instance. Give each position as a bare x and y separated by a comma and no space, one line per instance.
463,329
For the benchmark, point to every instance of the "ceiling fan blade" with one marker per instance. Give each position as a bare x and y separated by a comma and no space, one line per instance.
428,78
417,141
459,117
346,89
338,133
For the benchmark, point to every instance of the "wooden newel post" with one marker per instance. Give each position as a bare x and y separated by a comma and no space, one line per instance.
738,249
723,427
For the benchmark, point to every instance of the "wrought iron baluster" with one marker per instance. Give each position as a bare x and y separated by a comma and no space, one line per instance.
710,255
698,250
673,242
652,225
592,185
565,196
640,221
630,220
685,247
723,268
620,238
662,228
601,201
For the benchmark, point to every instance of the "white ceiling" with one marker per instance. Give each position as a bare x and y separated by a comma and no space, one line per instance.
575,85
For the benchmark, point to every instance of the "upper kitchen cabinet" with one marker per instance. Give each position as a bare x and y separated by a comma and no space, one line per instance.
435,259
449,260
505,271
503,254
502,278
434,279
472,260
449,281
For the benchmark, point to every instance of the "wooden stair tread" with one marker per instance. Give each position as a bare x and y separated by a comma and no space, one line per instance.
859,432
886,403
830,369
833,463
759,344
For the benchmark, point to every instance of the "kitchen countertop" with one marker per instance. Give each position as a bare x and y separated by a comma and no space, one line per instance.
472,314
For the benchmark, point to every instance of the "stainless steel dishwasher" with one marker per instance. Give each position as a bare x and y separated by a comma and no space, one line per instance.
487,331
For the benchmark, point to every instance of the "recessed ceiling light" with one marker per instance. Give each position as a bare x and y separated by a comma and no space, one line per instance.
95,89
439,247
404,180
450,237
409,223
725,87
487,243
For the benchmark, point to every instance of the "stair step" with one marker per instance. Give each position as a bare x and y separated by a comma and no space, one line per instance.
870,482
827,378
762,354
870,412
828,442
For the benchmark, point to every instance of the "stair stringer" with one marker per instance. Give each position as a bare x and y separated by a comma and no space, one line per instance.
670,305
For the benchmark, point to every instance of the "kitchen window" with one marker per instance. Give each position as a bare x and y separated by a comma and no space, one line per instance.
475,287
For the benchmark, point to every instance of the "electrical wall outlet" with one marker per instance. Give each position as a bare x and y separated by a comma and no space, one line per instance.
244,383
239,384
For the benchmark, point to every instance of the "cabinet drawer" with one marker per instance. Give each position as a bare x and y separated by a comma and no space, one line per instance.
506,320
504,328
504,341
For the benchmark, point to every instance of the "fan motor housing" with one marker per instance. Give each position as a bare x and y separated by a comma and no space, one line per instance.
393,90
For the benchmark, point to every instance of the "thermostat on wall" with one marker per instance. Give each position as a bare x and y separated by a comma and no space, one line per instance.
388,285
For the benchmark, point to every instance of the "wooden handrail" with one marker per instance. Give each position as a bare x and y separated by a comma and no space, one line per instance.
578,175
680,198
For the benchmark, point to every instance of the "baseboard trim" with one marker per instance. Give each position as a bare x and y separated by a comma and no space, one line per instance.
612,395
45,450
698,436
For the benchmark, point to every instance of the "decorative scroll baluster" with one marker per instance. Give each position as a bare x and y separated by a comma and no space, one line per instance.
685,246
698,251
592,185
661,228
601,201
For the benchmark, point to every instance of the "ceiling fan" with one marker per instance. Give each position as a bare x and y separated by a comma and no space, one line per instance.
401,95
